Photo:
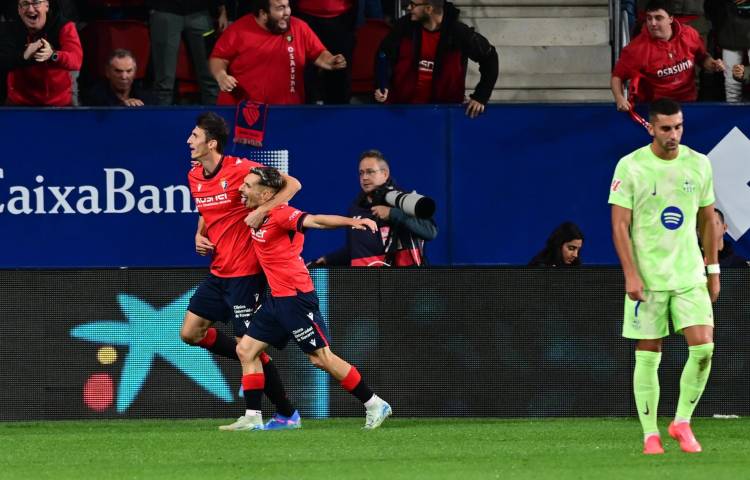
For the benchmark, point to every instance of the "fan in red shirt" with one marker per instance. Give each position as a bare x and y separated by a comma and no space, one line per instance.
233,288
262,57
291,311
663,58
39,52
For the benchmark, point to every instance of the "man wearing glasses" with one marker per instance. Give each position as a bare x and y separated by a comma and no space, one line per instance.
399,240
39,52
424,59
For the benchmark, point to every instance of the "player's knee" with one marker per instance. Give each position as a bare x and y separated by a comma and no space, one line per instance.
319,359
245,352
191,336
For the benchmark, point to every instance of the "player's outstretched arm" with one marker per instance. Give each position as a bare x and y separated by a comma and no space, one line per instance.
337,221
291,187
621,218
709,235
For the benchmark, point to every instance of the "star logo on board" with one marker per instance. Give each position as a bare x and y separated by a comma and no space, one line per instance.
150,333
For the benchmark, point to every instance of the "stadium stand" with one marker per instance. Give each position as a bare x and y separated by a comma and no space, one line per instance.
369,35
101,37
550,50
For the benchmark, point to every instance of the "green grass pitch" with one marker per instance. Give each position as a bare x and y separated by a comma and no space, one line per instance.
465,449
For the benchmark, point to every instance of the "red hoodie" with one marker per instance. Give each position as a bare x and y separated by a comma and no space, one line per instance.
48,83
666,67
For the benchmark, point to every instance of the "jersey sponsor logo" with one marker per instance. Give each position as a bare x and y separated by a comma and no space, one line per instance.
616,184
218,199
119,194
302,334
259,233
675,69
426,66
672,218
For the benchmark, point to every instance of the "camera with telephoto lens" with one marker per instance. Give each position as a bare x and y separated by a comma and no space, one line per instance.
411,203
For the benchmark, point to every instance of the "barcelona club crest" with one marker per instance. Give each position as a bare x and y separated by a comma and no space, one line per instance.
688,186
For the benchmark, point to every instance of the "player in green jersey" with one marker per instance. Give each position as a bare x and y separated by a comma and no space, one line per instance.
657,194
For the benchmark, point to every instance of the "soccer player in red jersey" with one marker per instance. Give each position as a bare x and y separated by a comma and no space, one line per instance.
291,311
233,288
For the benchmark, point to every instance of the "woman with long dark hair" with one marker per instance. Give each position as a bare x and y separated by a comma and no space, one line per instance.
563,248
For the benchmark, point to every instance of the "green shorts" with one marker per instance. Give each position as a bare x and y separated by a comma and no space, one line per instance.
650,319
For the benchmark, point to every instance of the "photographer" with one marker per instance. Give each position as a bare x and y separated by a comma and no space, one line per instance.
400,239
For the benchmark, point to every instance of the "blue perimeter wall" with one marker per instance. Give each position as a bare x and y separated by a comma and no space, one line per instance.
501,182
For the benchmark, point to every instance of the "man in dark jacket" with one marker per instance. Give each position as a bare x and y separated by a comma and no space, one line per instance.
424,59
120,89
399,241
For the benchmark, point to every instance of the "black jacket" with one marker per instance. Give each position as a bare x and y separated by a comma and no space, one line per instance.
401,232
458,43
101,95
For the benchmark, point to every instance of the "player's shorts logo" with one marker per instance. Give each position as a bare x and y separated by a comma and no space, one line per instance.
672,218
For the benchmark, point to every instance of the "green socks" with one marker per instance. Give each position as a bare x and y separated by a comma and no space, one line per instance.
694,379
646,388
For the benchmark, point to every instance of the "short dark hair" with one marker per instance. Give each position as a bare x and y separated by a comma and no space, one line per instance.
215,127
663,106
121,53
720,213
437,5
256,6
269,177
376,154
654,5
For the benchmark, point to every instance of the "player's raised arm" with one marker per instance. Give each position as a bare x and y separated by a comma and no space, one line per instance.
621,218
337,221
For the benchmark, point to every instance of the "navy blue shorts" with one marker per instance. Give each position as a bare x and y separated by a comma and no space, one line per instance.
279,319
223,299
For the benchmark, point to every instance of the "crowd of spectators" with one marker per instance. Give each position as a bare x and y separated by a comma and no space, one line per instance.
277,52
265,51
